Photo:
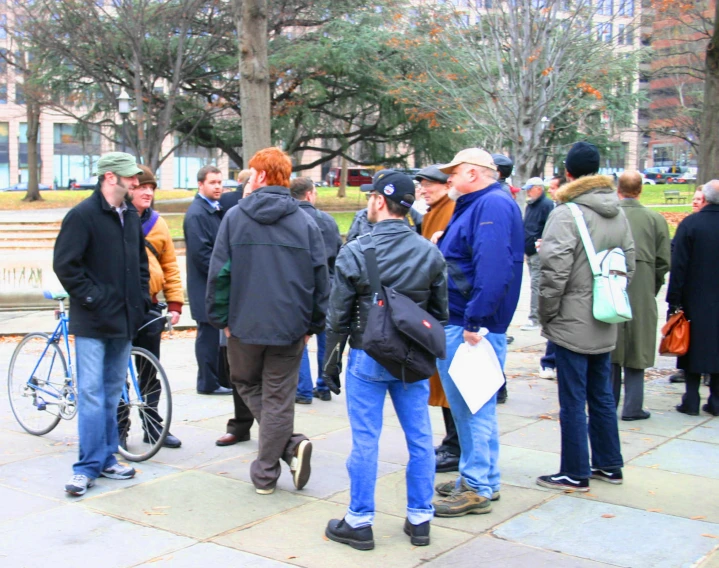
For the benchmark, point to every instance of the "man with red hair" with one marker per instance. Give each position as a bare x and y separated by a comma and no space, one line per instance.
268,288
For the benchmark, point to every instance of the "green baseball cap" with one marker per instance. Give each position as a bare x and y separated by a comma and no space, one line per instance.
119,163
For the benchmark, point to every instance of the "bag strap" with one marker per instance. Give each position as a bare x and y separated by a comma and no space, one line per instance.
586,238
150,222
367,247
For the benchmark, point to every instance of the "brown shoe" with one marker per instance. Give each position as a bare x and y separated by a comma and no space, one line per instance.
230,439
445,490
461,502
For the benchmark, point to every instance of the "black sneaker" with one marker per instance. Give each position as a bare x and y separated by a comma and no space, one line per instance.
502,395
565,482
303,400
615,477
418,534
359,539
323,395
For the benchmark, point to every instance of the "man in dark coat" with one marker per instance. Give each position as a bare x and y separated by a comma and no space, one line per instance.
692,287
100,260
231,198
268,290
200,227
304,191
637,338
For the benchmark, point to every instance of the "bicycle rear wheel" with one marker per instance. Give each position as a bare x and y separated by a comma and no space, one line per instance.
145,412
35,381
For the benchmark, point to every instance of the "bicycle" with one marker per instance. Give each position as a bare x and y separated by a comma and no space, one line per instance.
41,388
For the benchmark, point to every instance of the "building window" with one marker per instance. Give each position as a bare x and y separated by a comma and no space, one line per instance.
620,34
605,7
19,94
3,93
74,157
3,26
4,154
626,7
484,4
604,32
629,36
3,61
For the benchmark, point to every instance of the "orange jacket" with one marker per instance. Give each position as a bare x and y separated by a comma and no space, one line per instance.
164,271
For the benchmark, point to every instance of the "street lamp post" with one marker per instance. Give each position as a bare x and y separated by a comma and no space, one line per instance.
123,107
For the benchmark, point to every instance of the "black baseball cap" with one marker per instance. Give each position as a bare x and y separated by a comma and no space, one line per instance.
393,185
432,173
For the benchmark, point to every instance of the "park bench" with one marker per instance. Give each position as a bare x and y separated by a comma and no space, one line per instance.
674,196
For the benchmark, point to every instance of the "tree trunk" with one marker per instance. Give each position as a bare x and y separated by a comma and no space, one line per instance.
709,149
255,83
33,127
342,190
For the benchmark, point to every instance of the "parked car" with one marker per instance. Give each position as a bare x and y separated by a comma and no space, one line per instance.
665,175
23,187
87,183
355,176
685,178
647,181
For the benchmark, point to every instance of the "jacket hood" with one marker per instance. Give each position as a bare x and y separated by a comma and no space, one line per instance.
595,192
269,204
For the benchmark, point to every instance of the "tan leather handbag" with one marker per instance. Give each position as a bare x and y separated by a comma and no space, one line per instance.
675,336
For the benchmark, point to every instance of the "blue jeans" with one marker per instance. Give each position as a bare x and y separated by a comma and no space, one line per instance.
367,386
304,385
478,432
101,374
549,360
585,381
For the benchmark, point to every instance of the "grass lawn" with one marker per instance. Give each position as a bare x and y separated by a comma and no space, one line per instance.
12,200
654,194
327,199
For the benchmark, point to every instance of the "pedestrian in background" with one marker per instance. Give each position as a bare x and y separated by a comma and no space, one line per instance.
637,339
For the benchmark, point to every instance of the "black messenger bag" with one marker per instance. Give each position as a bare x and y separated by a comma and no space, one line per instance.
402,337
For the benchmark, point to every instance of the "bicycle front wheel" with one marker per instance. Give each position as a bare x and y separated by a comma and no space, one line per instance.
35,381
145,410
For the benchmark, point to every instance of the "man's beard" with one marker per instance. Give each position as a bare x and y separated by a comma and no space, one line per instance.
454,194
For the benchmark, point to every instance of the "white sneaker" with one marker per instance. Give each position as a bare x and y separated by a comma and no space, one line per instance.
300,465
530,326
79,484
547,373
118,471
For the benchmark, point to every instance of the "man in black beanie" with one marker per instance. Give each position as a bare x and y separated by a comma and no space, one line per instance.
583,343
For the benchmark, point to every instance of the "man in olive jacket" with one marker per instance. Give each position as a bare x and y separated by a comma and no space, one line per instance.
637,339
565,312
100,260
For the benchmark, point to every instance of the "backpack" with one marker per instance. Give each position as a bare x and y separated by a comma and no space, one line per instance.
610,302
401,336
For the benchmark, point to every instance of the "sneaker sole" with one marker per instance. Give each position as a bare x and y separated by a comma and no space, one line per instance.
302,474
607,480
417,540
356,544
496,496
78,493
562,487
269,491
475,511
117,475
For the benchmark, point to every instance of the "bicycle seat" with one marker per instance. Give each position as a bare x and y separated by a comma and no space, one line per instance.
50,295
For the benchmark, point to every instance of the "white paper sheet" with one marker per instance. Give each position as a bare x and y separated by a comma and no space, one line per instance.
476,372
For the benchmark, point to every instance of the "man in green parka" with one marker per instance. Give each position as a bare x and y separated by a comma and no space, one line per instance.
637,340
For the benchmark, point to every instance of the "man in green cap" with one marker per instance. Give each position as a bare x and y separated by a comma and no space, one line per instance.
100,260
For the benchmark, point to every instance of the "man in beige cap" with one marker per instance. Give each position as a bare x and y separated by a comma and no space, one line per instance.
100,260
484,249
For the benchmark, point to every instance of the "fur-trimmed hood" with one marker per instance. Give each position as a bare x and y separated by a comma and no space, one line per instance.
596,192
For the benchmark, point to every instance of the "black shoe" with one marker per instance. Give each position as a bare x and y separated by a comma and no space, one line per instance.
710,410
303,400
323,395
502,395
677,377
218,390
643,416
510,339
684,410
170,441
359,539
418,534
446,462
614,477
565,482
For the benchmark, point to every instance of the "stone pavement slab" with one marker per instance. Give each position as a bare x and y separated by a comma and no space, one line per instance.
707,432
667,492
684,456
16,504
72,536
491,552
18,446
609,533
668,423
391,498
210,554
521,467
195,504
303,542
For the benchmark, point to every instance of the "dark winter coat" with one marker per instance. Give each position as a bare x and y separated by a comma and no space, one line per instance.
637,338
102,264
330,233
535,217
268,277
693,286
231,198
361,225
200,227
484,249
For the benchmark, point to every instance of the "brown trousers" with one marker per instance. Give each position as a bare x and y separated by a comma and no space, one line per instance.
266,376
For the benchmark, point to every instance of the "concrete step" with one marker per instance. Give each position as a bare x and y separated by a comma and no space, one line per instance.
28,236
29,227
27,244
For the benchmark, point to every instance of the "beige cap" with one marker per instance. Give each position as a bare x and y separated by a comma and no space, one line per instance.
474,156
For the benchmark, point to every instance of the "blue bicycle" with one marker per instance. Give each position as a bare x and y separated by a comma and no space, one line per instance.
41,387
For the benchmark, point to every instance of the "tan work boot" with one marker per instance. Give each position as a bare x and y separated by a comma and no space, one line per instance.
462,501
445,489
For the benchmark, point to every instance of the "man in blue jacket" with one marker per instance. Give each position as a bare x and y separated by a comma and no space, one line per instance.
484,249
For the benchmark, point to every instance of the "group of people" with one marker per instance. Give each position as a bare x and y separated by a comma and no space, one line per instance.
267,271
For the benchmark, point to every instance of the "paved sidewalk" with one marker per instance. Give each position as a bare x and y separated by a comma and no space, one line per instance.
194,506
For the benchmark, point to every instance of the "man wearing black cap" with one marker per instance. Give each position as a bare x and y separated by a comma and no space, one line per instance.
399,252
505,166
583,343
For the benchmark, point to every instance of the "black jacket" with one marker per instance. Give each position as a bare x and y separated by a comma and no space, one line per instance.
200,227
102,264
693,284
407,262
330,233
361,225
535,217
231,198
268,275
